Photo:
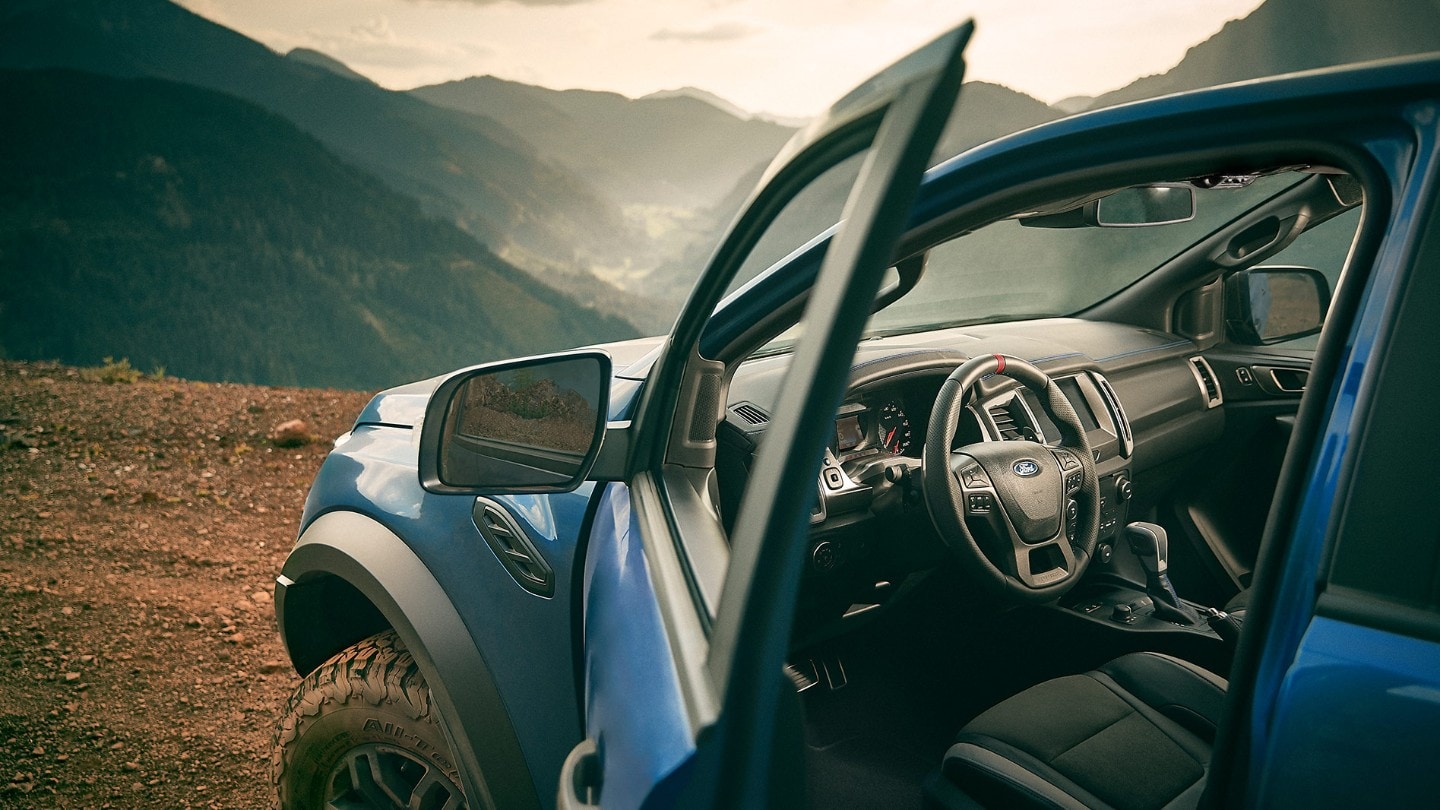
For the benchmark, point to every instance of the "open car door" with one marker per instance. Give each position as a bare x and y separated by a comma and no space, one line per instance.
686,626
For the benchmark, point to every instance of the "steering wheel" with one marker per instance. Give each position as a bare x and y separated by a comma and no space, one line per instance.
1021,516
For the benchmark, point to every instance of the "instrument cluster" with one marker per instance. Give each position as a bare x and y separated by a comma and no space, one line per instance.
892,421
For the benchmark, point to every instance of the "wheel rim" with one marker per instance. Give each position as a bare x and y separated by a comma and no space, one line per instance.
383,777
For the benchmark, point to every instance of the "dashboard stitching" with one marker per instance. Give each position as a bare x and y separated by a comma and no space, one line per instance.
1056,357
890,358
1143,351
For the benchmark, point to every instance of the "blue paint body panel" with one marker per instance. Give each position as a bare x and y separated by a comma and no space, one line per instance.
525,639
632,690
1336,704
1358,711
402,406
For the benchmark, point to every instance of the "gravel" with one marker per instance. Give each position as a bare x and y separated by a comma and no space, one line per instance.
141,527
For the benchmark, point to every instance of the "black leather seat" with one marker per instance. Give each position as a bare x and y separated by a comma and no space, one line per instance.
1135,733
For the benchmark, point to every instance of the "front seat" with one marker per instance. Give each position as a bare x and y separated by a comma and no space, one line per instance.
1238,604
1135,733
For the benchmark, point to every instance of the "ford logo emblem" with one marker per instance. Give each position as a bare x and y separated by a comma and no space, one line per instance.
1026,468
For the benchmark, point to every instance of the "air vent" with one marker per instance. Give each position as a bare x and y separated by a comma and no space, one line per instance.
1007,425
1209,383
510,543
751,413
1117,414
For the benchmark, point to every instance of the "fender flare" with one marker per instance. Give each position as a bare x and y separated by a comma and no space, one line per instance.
376,562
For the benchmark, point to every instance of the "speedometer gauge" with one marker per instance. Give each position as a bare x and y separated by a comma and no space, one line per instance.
894,428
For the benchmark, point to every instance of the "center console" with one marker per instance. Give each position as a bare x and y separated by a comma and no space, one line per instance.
1147,603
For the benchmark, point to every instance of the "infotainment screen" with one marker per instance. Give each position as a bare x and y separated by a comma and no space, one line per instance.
847,432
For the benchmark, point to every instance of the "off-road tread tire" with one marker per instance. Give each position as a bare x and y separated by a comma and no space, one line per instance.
378,673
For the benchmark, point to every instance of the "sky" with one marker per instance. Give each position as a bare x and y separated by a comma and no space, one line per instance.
783,57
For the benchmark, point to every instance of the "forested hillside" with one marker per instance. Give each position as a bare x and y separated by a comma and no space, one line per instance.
673,151
248,216
1284,36
467,168
181,227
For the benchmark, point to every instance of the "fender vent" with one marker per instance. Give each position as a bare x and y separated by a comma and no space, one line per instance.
751,413
510,543
1209,383
1010,420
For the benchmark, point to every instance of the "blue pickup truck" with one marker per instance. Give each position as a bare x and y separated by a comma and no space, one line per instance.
1086,469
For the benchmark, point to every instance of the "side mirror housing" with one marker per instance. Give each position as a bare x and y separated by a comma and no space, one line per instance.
1265,305
525,426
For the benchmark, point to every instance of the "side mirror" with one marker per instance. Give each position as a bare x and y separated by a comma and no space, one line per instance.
1266,305
532,425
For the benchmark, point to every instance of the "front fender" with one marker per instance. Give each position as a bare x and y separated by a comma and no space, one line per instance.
381,567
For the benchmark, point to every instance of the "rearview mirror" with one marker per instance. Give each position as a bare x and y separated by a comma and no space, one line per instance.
532,425
1266,305
1137,206
1134,207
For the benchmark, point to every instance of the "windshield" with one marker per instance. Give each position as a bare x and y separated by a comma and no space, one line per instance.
1007,271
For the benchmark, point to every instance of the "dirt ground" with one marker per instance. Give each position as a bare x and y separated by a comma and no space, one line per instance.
141,527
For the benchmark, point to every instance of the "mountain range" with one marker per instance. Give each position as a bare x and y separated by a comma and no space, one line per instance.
465,167
670,161
187,229
606,200
1280,36
671,150
1285,36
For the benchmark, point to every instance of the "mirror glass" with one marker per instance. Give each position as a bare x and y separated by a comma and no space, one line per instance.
1270,304
533,425
1285,305
1146,205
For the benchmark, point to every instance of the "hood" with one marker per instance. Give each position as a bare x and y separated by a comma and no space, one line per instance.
403,406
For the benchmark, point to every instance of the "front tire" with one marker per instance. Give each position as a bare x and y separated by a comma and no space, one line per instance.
361,732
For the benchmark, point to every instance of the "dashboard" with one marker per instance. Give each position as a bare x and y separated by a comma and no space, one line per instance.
1146,399
893,419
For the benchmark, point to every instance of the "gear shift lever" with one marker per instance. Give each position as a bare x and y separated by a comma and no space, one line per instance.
1151,545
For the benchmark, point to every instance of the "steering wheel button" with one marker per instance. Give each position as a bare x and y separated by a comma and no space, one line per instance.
833,478
980,502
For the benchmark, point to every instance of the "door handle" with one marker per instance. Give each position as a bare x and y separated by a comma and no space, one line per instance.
1280,380
580,778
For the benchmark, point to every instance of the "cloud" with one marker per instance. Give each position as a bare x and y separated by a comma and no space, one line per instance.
374,30
719,32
